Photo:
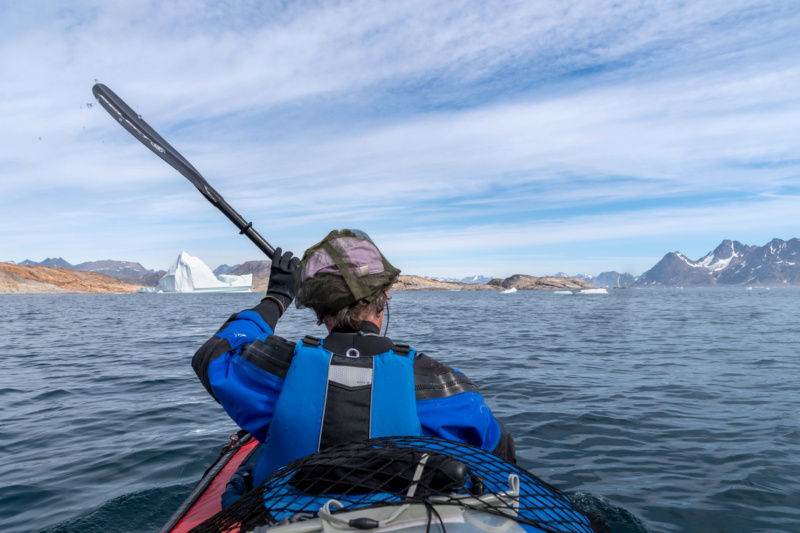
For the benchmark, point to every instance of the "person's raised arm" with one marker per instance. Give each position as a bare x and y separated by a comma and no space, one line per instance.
247,326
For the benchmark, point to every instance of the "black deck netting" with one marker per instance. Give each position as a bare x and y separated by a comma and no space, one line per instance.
393,471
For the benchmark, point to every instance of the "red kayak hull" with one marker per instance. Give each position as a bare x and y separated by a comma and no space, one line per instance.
206,499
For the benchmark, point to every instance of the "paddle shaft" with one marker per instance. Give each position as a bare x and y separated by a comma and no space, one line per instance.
141,130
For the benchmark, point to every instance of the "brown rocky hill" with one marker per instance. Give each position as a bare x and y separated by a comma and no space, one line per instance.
522,282
517,281
260,272
147,280
29,279
260,268
418,283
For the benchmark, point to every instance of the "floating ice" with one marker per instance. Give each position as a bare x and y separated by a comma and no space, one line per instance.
190,274
594,291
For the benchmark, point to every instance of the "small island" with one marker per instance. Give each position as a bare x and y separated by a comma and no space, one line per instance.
520,282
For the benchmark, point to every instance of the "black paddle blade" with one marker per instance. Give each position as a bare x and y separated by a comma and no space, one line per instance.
136,126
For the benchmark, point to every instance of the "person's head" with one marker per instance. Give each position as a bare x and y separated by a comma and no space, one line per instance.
344,279
353,315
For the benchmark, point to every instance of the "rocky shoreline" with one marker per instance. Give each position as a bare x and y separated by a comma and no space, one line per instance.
520,282
418,283
29,279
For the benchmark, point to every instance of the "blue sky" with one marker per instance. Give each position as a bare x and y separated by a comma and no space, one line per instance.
465,137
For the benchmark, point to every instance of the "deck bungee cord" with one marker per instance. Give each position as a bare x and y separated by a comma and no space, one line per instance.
390,481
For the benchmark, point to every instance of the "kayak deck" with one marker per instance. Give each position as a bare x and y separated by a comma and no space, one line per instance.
395,483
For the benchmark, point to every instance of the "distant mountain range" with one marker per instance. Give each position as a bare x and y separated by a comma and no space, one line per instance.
470,280
257,268
54,262
135,273
122,270
731,263
225,269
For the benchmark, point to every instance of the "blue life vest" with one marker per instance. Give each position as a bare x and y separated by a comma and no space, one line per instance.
330,399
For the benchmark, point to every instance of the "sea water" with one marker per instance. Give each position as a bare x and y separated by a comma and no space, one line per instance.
663,410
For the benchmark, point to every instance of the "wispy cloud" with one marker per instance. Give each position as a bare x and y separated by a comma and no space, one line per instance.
573,131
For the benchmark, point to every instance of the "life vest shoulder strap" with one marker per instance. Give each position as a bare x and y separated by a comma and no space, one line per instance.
328,399
310,341
402,349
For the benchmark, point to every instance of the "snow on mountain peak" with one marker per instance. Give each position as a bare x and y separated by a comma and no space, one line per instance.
719,259
731,263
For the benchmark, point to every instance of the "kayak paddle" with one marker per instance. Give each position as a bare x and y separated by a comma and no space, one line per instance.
136,126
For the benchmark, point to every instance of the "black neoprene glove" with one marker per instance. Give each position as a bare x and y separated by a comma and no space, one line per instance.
281,277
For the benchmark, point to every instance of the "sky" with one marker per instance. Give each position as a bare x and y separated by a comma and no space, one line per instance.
464,137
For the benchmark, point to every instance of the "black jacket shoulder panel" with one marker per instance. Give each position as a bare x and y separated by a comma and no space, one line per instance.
428,366
273,355
433,379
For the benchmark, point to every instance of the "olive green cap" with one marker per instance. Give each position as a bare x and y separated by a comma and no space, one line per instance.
343,268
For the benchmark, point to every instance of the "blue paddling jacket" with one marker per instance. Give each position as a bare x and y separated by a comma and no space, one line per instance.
298,398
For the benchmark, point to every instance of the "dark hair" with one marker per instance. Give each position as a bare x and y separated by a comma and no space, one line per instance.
351,316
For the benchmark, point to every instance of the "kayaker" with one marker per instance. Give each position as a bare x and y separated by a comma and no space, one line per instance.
298,398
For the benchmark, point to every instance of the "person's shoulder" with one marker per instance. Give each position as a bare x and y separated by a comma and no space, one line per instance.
434,380
425,365
272,342
271,353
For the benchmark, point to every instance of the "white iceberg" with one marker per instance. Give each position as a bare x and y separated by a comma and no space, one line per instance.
190,274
